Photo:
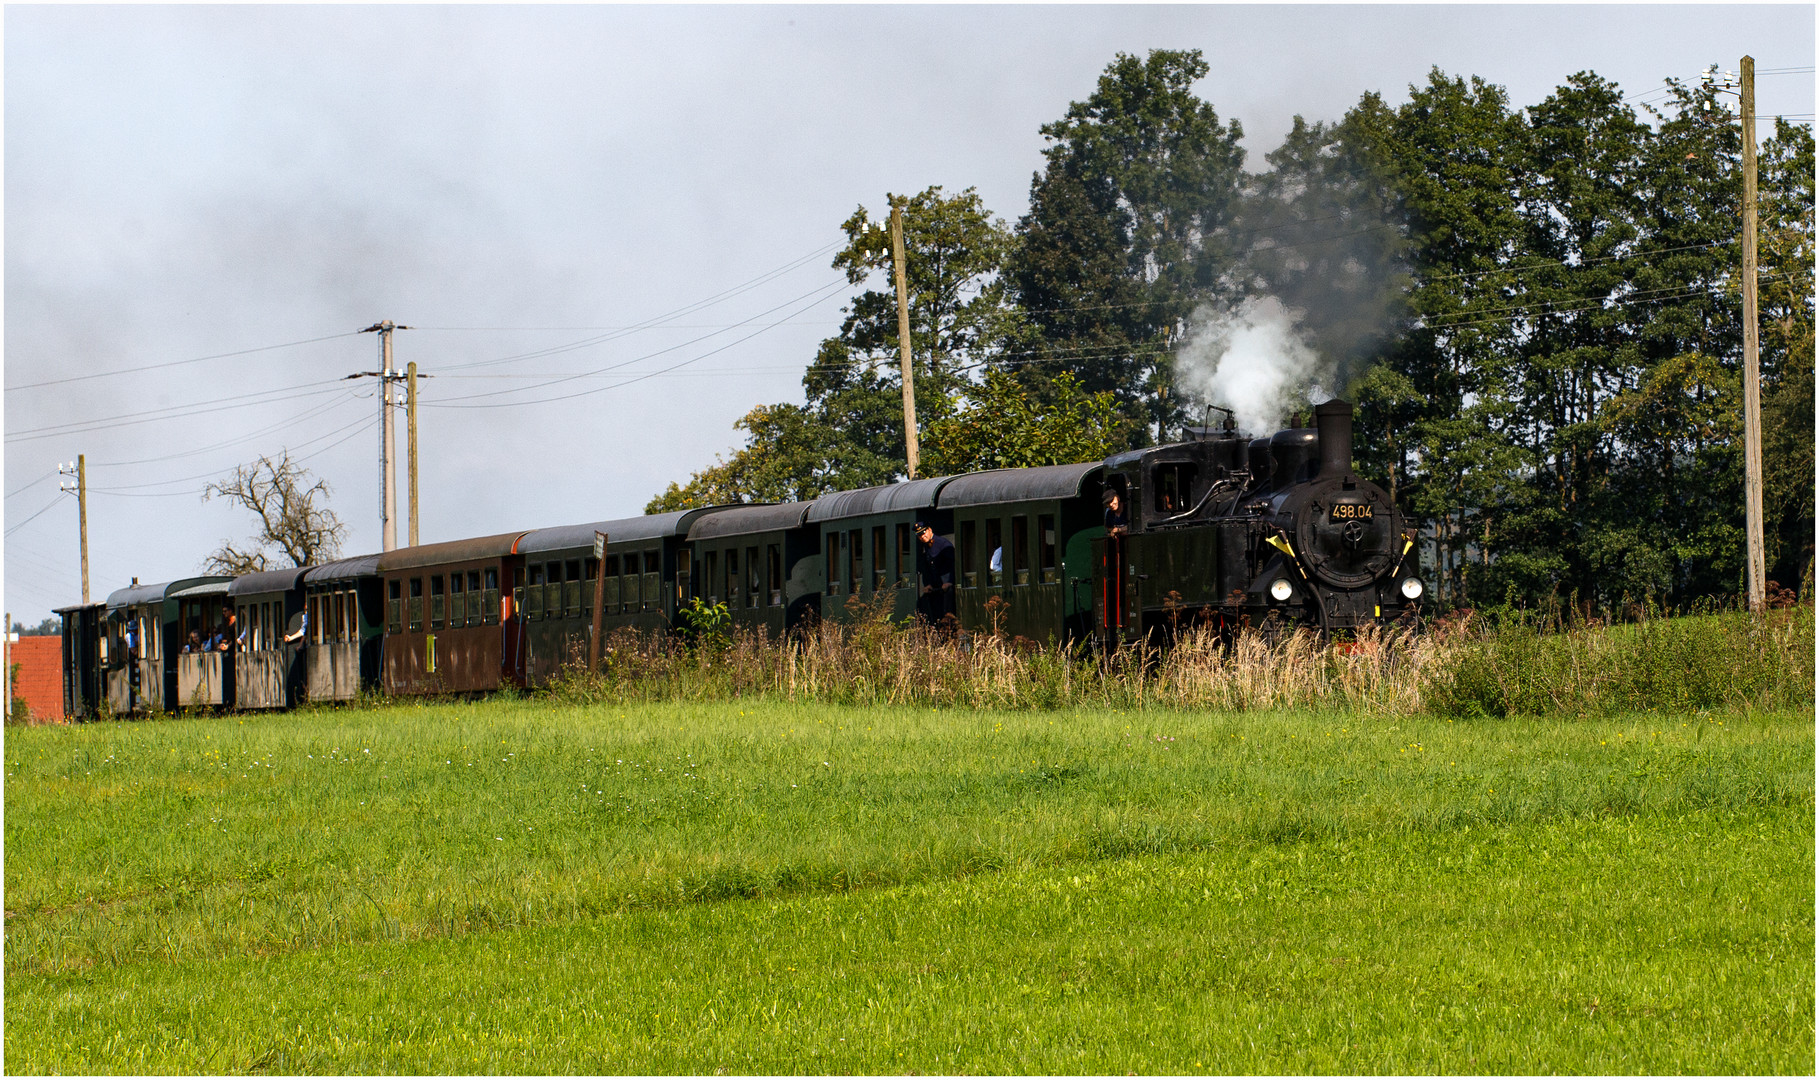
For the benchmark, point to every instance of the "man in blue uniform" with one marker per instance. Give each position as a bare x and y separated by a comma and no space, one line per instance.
935,569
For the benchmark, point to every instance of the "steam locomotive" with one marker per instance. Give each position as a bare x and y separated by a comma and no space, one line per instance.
1218,530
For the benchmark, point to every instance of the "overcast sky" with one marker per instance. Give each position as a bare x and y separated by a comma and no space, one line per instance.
548,191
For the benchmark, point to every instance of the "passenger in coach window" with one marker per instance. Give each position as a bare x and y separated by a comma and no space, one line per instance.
228,639
935,569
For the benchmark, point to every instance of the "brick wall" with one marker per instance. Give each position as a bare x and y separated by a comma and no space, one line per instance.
40,661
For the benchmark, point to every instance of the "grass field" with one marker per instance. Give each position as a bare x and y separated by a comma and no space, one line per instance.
749,886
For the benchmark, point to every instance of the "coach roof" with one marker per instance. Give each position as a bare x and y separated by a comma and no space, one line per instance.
343,569
1018,485
452,551
883,499
267,581
744,520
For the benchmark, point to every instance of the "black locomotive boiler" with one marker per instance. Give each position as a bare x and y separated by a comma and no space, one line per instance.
1277,531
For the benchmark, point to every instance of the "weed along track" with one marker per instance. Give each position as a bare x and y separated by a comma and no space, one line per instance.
548,887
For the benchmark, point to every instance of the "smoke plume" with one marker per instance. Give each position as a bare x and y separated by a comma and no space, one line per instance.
1252,359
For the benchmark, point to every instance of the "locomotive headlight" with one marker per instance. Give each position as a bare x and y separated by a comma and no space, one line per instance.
1281,589
1411,588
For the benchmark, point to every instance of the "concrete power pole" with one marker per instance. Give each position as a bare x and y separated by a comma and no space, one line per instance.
910,442
1752,373
388,440
410,411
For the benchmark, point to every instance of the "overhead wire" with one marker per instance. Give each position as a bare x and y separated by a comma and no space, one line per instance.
179,363
179,412
826,292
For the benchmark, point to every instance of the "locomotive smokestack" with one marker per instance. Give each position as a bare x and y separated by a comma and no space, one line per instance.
1334,421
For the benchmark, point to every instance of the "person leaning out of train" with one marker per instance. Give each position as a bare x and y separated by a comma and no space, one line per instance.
296,636
935,569
1116,524
227,639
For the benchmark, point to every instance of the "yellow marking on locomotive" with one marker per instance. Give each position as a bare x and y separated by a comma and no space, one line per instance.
1280,545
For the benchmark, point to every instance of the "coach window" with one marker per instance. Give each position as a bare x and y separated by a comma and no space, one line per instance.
855,566
518,591
416,605
879,578
490,599
394,608
774,556
457,600
905,552
684,570
571,589
754,584
831,556
994,544
628,583
653,580
590,576
437,602
732,578
1045,540
533,592
1020,550
555,585
969,555
472,615
321,626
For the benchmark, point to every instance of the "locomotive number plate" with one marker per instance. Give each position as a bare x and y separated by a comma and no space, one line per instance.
1352,512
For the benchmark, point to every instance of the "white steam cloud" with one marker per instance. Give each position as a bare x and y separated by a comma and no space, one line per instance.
1250,359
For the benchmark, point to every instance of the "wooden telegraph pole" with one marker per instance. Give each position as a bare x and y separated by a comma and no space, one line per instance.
79,468
910,442
1752,374
410,411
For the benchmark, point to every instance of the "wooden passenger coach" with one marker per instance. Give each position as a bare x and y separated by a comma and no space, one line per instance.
268,670
449,626
145,681
344,601
1024,538
205,676
82,675
870,552
760,562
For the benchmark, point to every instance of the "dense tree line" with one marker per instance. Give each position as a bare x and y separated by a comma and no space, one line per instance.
1536,309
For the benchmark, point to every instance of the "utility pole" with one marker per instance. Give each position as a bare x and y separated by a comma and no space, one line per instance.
79,469
1752,373
910,441
410,411
1744,83
388,441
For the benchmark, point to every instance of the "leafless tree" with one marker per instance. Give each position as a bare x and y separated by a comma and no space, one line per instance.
291,523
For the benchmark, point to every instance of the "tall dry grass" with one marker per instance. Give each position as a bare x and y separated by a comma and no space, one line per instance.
1460,668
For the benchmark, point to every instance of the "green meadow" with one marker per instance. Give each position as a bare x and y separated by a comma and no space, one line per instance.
520,886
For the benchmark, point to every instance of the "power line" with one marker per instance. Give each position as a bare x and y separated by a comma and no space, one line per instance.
267,430
178,412
175,363
31,485
616,386
126,488
827,290
15,528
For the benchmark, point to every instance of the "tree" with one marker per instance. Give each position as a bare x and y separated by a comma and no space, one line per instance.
1004,425
1127,229
849,431
292,523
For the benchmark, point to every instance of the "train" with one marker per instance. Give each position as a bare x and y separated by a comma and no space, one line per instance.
1216,530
